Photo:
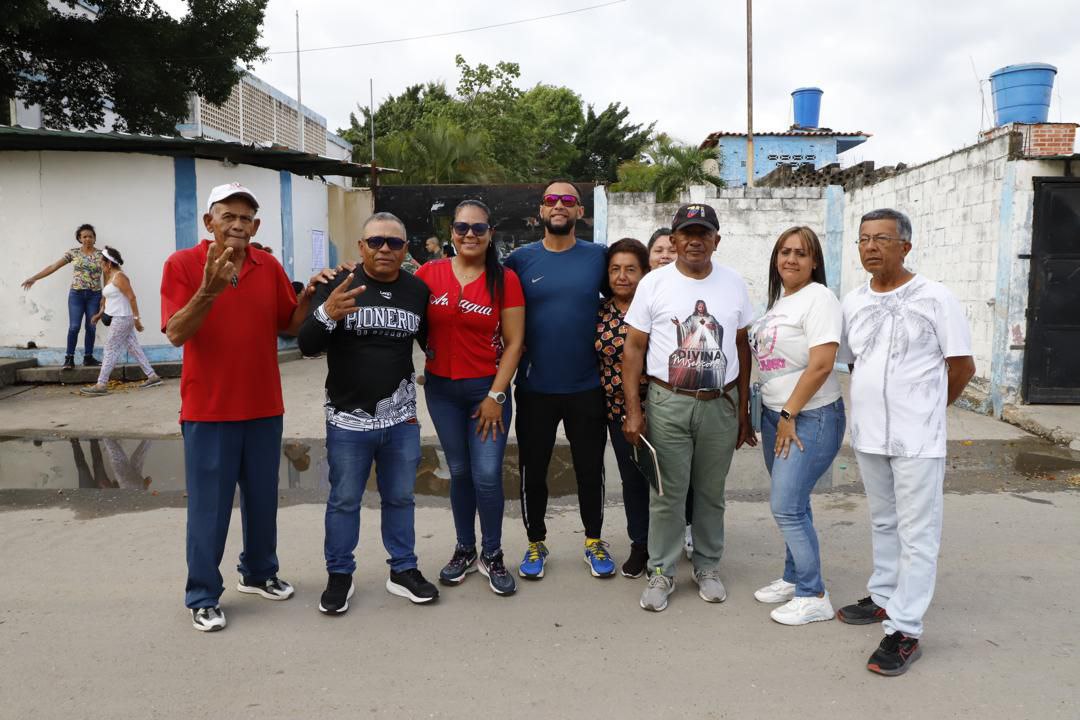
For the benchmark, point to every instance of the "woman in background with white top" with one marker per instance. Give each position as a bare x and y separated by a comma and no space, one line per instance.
119,303
802,419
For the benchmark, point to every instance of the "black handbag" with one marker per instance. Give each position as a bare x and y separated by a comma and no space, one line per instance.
106,319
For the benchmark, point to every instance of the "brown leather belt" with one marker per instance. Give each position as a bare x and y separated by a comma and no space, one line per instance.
699,394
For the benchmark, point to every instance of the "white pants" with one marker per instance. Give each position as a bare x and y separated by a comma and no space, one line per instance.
122,338
905,498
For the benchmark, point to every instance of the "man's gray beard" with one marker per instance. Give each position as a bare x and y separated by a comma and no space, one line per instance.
567,229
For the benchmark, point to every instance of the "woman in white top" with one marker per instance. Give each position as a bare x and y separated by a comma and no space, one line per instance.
119,303
802,419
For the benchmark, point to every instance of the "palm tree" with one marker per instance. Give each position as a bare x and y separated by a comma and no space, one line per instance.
680,166
437,151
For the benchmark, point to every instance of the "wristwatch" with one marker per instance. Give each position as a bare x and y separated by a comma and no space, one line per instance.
499,397
785,414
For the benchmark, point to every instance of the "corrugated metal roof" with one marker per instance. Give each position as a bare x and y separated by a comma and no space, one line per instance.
714,138
16,137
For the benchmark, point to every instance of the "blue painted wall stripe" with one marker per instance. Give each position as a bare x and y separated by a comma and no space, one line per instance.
286,223
834,237
185,203
1006,366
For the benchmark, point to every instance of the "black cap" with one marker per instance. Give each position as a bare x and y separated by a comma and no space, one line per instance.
695,214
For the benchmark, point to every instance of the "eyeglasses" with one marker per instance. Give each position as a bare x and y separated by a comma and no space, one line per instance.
462,228
378,241
876,239
567,200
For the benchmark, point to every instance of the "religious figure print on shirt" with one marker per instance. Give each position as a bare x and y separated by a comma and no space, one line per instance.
698,362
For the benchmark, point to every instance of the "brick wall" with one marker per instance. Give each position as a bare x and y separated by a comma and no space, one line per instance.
1039,139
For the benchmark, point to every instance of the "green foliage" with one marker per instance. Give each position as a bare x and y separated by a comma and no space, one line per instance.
132,56
668,168
436,151
515,135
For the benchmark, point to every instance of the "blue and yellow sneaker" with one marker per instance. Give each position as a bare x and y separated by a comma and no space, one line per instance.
600,562
532,566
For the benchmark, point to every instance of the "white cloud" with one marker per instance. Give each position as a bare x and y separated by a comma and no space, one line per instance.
901,71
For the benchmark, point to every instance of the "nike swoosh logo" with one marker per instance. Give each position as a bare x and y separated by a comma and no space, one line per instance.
537,279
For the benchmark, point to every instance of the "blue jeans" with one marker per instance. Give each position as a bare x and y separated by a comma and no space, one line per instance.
218,456
82,305
475,465
635,488
821,432
396,453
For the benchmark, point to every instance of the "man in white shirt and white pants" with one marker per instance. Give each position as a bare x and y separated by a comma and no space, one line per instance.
909,347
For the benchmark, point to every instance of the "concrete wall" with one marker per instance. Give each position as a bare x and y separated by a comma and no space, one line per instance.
138,206
750,221
773,150
348,210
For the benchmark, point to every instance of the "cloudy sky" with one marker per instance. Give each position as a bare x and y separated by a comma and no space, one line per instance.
905,72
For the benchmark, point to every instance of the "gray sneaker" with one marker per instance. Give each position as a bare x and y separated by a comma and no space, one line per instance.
152,381
655,596
709,586
94,390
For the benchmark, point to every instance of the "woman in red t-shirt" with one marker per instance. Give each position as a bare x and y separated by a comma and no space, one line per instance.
476,331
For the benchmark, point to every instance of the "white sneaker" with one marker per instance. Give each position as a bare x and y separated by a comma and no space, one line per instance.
803,610
209,619
688,544
778,591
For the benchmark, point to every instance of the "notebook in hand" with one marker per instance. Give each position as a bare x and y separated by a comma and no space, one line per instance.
644,456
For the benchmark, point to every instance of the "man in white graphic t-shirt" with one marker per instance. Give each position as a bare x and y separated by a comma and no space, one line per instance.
908,344
692,315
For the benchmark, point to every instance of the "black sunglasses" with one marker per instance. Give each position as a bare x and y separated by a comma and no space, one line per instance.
462,228
378,241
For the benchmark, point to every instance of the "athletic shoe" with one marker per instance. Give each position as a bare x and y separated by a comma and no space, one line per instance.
94,390
655,596
208,619
688,543
152,381
778,591
864,612
532,566
710,589
600,562
91,361
634,567
69,363
803,610
335,598
461,564
412,585
894,655
271,588
499,578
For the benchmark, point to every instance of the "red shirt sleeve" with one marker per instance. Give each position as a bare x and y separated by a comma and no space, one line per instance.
512,293
286,297
177,289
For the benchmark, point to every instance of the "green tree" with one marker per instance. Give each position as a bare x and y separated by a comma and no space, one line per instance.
668,168
396,114
605,141
131,56
436,151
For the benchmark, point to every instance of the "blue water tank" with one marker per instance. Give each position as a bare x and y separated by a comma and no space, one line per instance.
807,106
1022,92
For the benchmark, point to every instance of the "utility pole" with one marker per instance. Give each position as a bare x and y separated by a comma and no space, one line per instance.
749,94
371,116
299,103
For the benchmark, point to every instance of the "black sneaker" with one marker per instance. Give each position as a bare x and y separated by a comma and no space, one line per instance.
208,619
864,612
91,361
69,362
412,585
634,567
894,655
335,599
461,564
271,588
500,580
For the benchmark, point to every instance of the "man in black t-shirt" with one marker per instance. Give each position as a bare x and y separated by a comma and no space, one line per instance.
366,323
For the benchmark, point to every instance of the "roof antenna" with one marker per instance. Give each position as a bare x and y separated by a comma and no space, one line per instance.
982,96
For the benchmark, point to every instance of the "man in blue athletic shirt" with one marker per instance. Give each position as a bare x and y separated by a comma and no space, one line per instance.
558,378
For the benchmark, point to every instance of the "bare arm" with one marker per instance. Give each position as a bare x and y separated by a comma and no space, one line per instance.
490,412
123,284
746,429
303,303
47,271
961,370
633,362
217,274
822,358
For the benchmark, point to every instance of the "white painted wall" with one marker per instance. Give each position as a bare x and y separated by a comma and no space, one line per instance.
44,196
310,212
750,221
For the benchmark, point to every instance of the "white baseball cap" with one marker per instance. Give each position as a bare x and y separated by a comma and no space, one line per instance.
223,192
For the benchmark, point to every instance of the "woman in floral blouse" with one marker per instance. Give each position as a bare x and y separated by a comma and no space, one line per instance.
627,262
85,294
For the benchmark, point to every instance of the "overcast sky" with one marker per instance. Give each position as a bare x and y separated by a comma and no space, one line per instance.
903,71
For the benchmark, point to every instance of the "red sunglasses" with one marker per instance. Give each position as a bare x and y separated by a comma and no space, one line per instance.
567,200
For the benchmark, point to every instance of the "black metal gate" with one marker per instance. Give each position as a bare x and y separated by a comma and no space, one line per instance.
1052,355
